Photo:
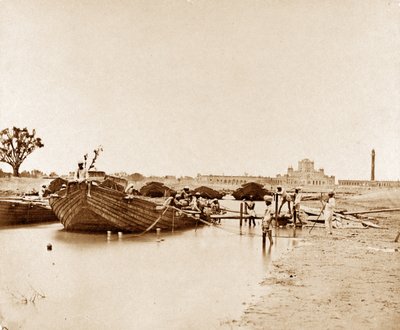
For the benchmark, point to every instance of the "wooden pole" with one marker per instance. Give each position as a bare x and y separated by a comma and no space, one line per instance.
173,220
245,212
276,210
372,211
241,215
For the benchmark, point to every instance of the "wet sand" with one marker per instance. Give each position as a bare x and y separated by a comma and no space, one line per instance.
348,280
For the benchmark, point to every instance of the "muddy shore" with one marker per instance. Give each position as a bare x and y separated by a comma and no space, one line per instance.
348,280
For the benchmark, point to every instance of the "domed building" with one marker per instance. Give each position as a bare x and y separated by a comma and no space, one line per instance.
305,175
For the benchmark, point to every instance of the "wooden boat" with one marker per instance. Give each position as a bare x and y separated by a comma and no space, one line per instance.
93,206
19,210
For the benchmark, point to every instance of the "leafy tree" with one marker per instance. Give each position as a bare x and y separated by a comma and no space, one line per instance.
4,174
25,174
136,177
37,174
16,144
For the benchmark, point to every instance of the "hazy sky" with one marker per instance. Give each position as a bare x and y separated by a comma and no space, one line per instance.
186,87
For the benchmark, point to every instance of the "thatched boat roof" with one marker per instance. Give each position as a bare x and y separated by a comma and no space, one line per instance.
55,185
207,192
112,184
156,189
254,189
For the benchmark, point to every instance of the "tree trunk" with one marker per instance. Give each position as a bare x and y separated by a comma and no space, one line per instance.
16,170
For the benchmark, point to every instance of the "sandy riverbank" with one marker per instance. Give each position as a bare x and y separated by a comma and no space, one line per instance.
348,280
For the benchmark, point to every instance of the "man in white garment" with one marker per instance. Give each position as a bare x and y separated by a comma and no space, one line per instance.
81,173
328,211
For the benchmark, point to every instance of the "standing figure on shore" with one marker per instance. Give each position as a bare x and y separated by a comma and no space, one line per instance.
285,198
81,173
296,206
266,224
328,211
251,210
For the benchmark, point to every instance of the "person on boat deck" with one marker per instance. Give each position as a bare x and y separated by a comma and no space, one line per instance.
328,211
285,198
186,194
130,189
266,224
296,206
176,202
42,191
194,202
251,210
215,208
201,202
81,173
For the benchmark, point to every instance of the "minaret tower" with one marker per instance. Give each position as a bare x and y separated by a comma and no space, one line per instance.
373,165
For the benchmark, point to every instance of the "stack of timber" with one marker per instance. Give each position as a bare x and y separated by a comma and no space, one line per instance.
20,211
91,207
344,219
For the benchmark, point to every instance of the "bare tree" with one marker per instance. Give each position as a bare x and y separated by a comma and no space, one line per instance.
16,144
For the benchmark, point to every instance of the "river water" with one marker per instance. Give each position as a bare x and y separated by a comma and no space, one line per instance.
195,279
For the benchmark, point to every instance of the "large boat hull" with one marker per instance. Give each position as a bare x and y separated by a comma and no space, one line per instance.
89,207
19,211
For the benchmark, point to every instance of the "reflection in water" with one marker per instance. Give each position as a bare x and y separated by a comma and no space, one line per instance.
267,252
194,279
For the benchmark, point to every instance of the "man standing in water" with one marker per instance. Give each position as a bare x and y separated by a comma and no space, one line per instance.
267,220
251,210
296,206
328,211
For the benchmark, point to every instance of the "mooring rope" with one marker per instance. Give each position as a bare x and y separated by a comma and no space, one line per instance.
240,233
190,215
150,227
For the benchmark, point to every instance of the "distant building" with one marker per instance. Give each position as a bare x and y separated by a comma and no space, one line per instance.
236,180
370,183
305,175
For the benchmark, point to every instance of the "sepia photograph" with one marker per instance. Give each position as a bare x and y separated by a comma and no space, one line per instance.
199,164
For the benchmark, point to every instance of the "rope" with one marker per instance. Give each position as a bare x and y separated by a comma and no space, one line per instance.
240,233
191,216
150,227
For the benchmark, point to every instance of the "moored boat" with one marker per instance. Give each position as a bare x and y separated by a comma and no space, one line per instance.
95,206
19,210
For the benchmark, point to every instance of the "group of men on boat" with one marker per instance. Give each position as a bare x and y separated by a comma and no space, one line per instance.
195,203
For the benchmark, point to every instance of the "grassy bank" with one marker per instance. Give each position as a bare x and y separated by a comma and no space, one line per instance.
18,186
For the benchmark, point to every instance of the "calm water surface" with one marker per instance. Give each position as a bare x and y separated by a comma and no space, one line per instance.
196,279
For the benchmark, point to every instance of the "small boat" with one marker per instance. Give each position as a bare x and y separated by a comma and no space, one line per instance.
95,206
20,210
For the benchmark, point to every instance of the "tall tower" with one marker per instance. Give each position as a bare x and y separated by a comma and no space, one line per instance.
373,165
